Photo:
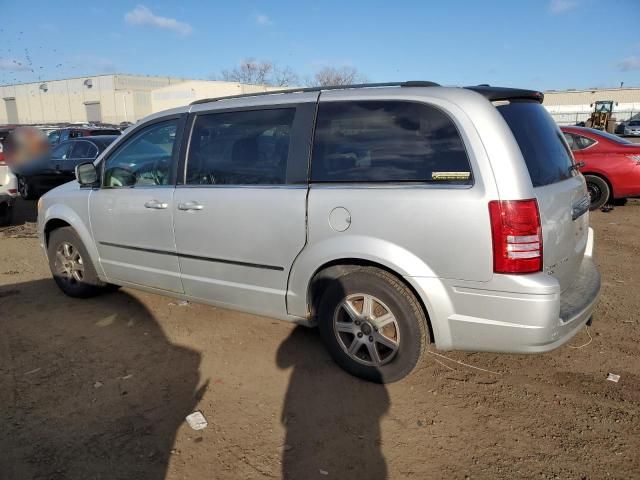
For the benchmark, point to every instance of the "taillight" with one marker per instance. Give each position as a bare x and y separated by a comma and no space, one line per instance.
13,191
517,236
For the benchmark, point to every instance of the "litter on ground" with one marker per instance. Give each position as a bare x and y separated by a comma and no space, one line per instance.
613,377
197,421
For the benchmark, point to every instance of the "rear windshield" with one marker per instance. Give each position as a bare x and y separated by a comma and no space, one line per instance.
543,148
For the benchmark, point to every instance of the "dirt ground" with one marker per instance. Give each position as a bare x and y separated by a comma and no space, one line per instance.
99,389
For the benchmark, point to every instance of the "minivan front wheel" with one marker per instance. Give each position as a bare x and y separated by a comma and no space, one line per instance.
599,191
372,325
71,265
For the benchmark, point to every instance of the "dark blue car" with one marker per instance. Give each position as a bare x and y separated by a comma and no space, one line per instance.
40,176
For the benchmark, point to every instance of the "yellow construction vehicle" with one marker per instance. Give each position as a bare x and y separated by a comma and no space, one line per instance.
602,116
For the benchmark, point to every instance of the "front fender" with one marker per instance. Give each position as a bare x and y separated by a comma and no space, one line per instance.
347,247
61,211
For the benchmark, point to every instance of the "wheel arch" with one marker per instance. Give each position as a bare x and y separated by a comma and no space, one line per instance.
59,216
603,177
51,225
335,268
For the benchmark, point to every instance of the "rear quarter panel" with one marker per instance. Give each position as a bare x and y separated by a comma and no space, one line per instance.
616,168
435,231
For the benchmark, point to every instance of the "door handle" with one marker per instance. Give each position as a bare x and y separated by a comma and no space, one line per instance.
155,204
190,206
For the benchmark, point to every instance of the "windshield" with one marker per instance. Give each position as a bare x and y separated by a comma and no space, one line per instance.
544,150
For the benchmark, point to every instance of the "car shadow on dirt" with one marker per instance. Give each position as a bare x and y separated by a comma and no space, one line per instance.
90,389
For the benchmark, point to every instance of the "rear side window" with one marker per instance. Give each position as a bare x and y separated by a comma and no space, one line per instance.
374,141
545,153
81,149
240,148
577,142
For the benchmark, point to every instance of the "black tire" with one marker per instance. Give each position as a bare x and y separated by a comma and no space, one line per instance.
26,189
409,317
599,191
6,214
80,286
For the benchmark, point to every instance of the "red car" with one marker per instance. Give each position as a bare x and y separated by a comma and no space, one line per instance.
611,164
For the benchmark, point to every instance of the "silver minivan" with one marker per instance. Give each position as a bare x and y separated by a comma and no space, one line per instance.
389,215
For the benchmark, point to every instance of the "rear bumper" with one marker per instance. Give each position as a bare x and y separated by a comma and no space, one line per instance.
527,315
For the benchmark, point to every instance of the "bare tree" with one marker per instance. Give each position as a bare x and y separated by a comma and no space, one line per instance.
249,71
260,73
337,76
284,77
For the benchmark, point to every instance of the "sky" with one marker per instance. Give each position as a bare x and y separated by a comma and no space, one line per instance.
540,44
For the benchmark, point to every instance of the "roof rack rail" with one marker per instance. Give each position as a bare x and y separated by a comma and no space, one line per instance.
411,83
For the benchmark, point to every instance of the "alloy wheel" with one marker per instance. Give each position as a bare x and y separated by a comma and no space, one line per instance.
23,187
366,329
69,264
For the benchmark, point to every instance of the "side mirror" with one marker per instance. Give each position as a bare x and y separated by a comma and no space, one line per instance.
86,174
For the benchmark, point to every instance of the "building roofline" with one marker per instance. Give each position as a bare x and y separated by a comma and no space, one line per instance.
592,90
94,76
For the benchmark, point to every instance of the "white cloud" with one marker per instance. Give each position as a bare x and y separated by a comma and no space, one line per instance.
14,65
561,6
629,63
262,19
142,15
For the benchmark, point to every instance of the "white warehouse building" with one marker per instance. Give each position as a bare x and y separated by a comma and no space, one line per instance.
106,98
569,107
117,98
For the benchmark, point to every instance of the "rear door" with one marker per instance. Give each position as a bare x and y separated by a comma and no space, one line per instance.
560,190
132,212
240,212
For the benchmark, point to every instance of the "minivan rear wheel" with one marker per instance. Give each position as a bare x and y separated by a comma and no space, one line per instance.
599,191
372,325
71,265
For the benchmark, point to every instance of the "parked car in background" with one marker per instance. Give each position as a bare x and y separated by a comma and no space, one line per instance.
63,134
420,214
41,175
611,165
632,128
8,190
